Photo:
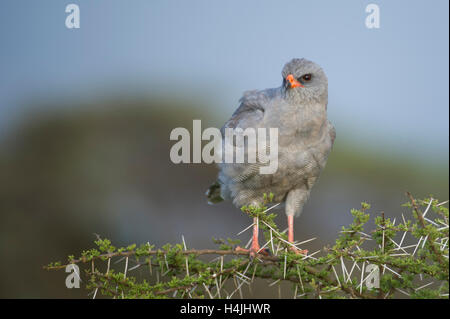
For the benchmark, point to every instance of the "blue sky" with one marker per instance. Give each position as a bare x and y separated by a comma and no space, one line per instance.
387,86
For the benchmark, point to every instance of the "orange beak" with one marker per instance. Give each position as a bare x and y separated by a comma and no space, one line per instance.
293,83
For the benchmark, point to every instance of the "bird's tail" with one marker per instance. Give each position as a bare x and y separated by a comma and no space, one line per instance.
213,193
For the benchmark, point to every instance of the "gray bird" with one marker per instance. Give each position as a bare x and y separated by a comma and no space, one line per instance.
298,108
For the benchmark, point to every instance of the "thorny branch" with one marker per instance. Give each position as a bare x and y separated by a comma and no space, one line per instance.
416,265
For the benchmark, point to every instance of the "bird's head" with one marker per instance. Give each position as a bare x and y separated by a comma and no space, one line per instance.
304,80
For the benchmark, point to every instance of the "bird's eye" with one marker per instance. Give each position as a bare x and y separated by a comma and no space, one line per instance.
306,77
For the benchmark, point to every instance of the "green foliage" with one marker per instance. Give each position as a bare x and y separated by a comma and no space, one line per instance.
396,259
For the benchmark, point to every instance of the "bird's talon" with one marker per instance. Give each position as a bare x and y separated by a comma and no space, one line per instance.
299,251
254,251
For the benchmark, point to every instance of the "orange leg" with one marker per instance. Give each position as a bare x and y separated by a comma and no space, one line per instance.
291,236
254,249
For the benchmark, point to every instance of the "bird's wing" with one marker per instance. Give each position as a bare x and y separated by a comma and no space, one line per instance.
249,114
251,109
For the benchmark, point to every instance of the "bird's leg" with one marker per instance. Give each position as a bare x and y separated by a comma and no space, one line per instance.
255,248
291,236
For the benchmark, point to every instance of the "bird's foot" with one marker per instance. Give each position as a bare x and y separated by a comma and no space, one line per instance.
254,250
299,251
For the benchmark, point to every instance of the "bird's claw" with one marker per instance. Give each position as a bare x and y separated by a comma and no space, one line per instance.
299,251
254,250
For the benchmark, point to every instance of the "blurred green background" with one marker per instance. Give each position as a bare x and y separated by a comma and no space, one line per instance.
85,118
